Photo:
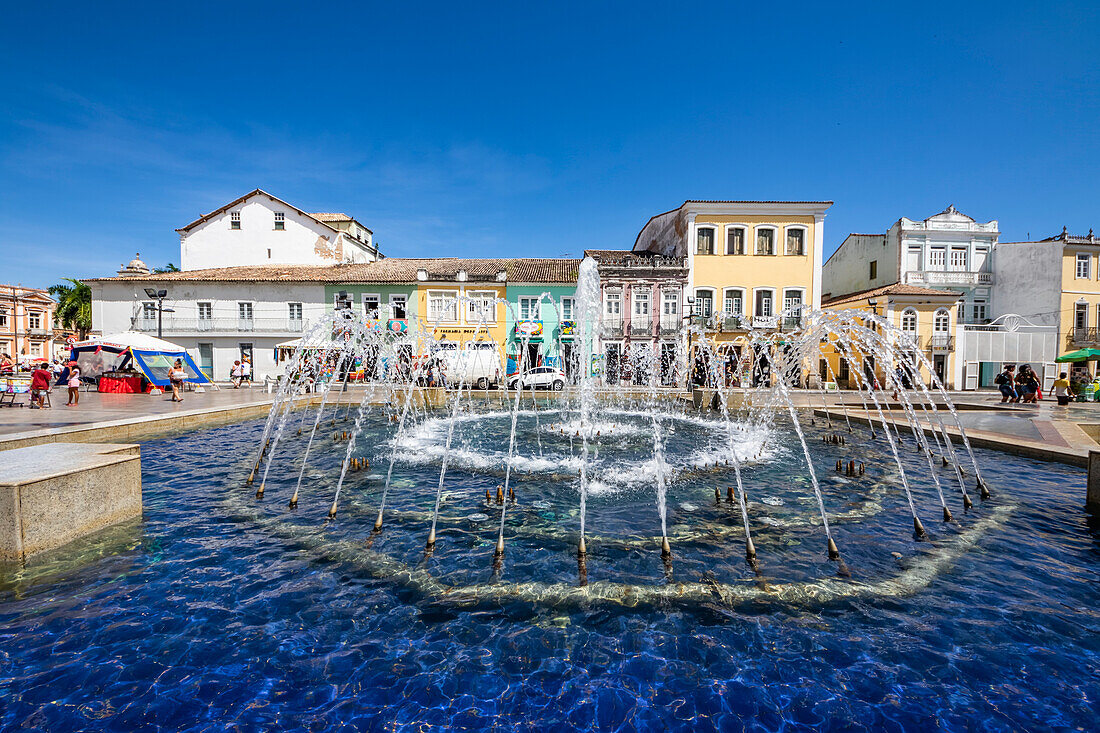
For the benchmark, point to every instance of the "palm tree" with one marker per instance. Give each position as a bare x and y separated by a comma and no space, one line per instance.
74,306
168,268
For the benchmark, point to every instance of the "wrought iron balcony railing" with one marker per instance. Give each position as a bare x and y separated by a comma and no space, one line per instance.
938,342
223,325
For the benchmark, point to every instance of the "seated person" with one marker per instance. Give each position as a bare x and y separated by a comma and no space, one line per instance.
40,385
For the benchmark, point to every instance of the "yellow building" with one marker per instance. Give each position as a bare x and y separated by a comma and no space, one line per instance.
750,263
925,315
457,300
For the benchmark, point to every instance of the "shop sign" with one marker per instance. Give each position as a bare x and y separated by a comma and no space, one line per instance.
397,325
529,329
568,329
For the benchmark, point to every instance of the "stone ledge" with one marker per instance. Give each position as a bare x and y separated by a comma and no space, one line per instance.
54,493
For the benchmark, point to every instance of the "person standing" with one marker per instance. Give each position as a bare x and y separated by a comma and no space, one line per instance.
1061,390
1006,382
235,374
7,366
1027,385
74,386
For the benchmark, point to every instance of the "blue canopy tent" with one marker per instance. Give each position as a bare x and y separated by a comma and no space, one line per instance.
150,356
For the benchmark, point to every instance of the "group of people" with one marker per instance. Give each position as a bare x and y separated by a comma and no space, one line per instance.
241,372
1023,386
42,378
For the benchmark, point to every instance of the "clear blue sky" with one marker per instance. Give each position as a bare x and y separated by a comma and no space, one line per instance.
534,129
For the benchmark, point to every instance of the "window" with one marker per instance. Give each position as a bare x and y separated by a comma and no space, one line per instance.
246,351
567,309
704,241
958,259
765,241
529,309
269,253
244,311
1083,262
34,320
941,321
909,321
735,241
795,242
36,348
372,305
874,269
612,305
734,302
670,304
936,257
792,304
764,307
442,306
397,307
641,304
206,311
149,311
704,303
1081,315
3,319
341,301
961,310
294,312
280,221
235,220
482,307
979,311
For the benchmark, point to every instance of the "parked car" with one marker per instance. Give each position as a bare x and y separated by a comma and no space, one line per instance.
477,364
544,376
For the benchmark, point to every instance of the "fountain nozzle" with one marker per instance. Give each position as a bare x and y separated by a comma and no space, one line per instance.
666,550
983,491
967,503
431,539
293,503
729,494
750,550
947,515
582,549
260,492
332,511
500,547
834,553
946,463
500,494
918,528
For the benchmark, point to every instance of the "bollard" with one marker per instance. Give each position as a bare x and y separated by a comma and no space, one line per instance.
729,494
717,495
861,468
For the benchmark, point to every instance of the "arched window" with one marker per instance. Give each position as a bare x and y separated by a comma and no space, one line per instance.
909,320
941,321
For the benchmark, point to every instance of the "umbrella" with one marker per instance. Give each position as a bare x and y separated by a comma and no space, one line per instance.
1080,355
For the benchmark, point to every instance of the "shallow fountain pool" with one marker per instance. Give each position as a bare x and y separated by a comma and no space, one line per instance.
221,611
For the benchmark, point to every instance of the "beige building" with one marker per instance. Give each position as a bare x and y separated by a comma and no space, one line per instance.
925,315
26,323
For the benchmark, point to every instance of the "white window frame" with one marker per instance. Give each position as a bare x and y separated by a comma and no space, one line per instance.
393,300
530,308
34,320
149,311
280,221
705,294
909,321
568,305
613,296
771,301
377,297
640,305
4,317
670,296
1081,307
962,255
713,235
235,220
980,309
479,301
290,309
442,306
1083,273
206,306
805,237
789,305
942,317
937,258
733,301
757,231
243,307
745,228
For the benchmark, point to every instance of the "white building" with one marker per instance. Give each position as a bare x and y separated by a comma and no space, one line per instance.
947,251
217,315
260,229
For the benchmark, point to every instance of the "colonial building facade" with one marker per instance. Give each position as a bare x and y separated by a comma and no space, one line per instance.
260,229
26,323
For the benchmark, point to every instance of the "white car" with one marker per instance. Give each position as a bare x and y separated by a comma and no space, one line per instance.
545,377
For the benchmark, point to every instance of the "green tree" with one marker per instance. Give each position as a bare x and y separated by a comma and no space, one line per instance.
74,306
167,268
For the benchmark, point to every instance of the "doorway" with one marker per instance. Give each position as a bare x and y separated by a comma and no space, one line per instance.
939,364
612,355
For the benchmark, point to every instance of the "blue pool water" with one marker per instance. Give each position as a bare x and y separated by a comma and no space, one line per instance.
218,612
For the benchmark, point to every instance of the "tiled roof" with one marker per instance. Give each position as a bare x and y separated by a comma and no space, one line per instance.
389,270
735,201
322,216
892,289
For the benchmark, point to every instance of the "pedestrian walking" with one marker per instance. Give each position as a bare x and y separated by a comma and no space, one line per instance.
246,371
1006,382
175,377
73,385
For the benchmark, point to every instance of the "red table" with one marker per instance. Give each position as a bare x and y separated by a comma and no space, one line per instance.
120,385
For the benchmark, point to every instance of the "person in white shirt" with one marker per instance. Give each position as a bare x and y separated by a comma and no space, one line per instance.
246,371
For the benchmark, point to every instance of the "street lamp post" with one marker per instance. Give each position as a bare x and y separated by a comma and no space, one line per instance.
159,296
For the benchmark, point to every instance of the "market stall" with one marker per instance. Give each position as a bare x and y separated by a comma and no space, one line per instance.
131,362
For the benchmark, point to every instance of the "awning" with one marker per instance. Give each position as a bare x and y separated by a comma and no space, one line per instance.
1080,355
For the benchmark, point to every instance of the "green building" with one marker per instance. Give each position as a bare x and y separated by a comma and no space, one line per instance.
541,305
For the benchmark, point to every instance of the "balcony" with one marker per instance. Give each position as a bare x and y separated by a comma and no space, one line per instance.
629,260
641,327
929,277
611,328
939,343
223,325
39,332
669,324
1085,336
